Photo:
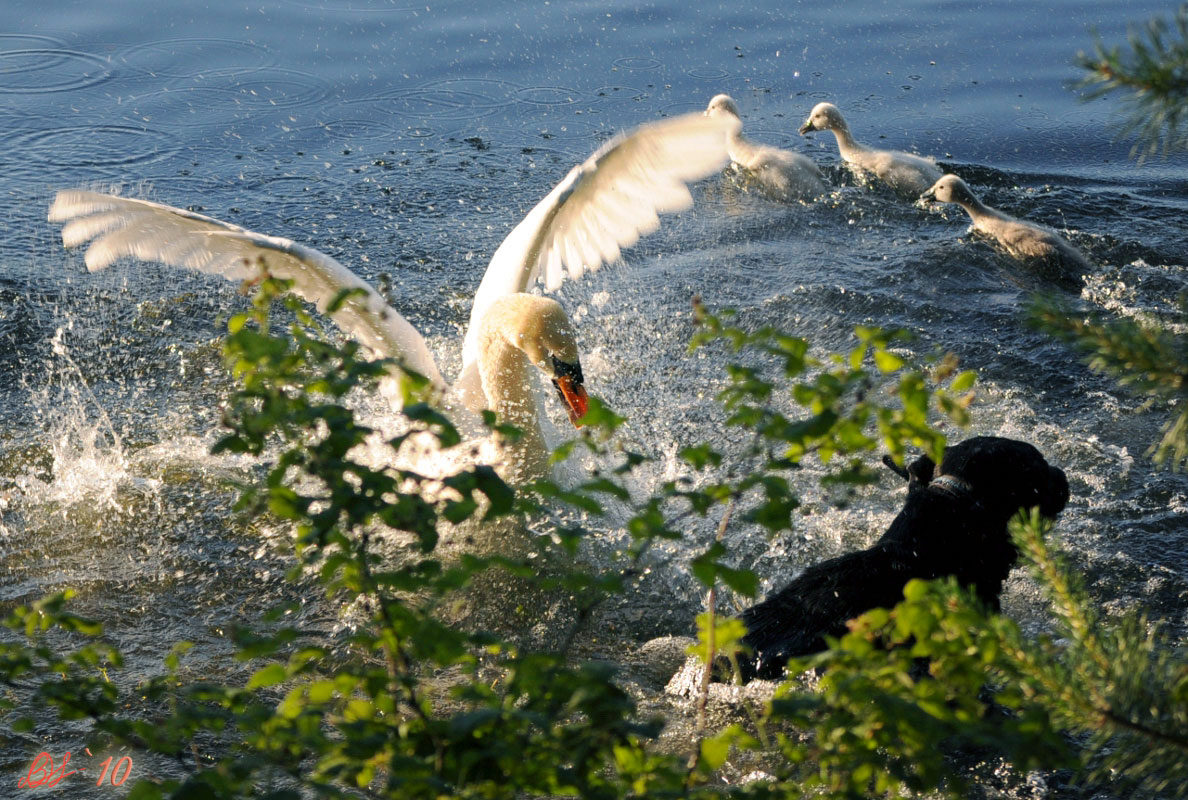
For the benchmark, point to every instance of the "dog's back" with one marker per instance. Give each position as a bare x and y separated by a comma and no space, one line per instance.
954,522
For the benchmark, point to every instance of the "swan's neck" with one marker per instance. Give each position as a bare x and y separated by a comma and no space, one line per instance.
506,274
979,211
739,149
508,382
845,142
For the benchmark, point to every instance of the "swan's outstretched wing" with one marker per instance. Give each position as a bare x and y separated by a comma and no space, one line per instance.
126,227
604,204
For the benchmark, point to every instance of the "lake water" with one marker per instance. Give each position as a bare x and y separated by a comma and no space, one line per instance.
407,141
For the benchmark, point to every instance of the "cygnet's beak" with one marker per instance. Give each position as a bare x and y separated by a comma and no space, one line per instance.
929,196
807,127
568,380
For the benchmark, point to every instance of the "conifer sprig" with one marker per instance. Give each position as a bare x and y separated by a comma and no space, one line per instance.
1152,75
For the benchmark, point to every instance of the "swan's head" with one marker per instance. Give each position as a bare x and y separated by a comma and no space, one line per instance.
949,189
551,346
540,328
722,105
823,117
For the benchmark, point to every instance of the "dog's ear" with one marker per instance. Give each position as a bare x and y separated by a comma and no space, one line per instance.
920,472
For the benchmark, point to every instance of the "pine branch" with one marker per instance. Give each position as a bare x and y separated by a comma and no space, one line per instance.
1152,77
1147,358
1112,681
1066,596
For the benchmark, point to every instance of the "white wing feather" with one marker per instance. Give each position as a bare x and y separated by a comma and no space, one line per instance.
125,227
603,205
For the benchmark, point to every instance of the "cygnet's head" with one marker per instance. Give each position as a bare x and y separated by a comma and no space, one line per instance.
722,105
949,189
540,328
823,117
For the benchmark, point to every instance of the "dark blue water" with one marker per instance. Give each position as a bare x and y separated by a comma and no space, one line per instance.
406,141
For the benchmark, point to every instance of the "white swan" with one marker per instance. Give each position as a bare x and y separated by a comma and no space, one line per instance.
602,205
1022,240
783,174
904,172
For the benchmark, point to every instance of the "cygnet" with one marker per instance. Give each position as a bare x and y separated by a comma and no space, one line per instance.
782,174
903,172
1023,240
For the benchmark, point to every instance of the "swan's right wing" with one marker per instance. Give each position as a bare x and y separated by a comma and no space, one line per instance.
616,195
125,227
603,205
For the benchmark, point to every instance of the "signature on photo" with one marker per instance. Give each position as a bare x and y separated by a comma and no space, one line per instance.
42,771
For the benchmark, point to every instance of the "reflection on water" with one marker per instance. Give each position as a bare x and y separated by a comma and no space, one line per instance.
407,141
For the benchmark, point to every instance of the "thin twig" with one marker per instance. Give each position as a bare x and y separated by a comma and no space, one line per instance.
711,646
711,598
1117,720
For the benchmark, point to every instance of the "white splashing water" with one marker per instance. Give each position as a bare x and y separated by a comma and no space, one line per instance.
90,463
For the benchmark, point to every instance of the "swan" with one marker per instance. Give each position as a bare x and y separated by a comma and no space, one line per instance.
602,205
1022,240
783,174
903,172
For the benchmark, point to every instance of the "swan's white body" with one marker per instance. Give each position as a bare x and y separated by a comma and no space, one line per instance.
903,172
602,205
1021,239
783,174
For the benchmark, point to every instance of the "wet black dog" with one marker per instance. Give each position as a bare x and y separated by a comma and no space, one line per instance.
954,522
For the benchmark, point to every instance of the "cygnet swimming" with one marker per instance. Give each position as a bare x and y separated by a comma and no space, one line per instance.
782,174
1022,240
903,172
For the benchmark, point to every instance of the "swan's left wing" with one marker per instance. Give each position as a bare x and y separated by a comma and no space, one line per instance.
603,205
126,227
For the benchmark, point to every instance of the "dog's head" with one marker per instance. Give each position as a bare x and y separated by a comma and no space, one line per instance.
1001,475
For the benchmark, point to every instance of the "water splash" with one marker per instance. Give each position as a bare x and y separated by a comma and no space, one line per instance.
88,455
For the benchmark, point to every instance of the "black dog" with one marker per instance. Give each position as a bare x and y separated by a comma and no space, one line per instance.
953,523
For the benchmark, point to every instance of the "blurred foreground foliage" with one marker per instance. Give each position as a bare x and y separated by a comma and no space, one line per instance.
1147,355
1151,76
413,706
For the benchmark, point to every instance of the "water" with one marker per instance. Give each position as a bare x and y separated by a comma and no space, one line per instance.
406,141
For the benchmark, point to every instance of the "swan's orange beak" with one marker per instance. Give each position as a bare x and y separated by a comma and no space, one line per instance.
567,377
574,396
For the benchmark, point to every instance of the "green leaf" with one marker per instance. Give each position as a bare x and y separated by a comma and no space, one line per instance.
964,380
886,361
743,581
268,676
605,486
714,752
320,692
701,456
